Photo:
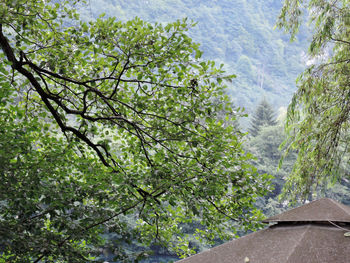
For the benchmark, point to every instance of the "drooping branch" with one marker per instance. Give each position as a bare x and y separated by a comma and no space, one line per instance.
18,66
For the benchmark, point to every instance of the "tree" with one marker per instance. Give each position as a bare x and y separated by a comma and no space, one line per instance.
265,147
264,116
112,120
49,194
318,116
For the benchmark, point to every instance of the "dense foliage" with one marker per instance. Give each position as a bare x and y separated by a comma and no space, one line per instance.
318,117
50,196
110,120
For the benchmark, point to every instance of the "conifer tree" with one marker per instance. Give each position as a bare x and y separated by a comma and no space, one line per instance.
264,116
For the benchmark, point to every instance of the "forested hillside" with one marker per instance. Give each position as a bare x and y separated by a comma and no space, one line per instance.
238,33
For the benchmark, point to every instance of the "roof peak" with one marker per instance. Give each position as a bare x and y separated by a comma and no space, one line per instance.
321,210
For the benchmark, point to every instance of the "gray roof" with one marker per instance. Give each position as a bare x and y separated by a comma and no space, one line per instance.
322,210
294,239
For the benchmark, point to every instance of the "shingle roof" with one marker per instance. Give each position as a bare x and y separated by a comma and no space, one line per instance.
283,244
313,233
322,210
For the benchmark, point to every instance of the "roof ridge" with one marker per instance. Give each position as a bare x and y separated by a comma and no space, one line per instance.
341,206
297,245
323,209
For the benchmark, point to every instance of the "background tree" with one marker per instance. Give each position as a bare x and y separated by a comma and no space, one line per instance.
264,116
265,147
318,116
111,119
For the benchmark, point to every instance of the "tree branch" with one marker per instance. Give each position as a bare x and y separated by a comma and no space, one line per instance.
16,65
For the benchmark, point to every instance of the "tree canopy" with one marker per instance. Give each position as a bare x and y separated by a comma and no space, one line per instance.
318,116
104,120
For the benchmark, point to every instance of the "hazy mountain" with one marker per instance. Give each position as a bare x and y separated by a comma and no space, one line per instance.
238,33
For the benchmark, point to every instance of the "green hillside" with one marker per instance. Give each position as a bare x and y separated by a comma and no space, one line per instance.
238,33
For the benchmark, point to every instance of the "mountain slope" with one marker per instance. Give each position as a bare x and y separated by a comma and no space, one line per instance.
238,33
